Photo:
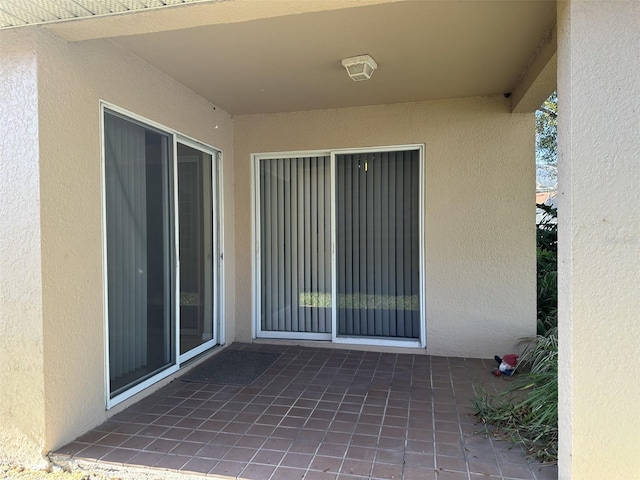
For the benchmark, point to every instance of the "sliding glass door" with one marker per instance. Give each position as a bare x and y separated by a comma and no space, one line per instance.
197,249
377,244
295,235
162,251
139,252
339,238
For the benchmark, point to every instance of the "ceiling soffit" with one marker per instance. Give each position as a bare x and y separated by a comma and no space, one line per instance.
18,13
267,56
424,51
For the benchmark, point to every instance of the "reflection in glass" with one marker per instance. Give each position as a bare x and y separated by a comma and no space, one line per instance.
138,234
195,224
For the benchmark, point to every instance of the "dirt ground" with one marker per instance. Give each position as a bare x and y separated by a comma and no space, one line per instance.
78,470
20,473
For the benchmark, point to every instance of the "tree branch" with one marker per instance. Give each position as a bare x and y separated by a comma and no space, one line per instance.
548,111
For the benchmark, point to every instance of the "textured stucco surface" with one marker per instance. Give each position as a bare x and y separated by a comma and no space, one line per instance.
64,198
22,435
479,211
599,234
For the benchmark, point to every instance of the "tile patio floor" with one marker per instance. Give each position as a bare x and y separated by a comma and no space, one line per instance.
316,414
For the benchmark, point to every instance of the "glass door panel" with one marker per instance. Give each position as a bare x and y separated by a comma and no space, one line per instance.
377,245
196,252
139,259
295,243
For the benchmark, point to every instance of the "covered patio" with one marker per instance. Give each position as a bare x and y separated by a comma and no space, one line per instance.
249,78
315,413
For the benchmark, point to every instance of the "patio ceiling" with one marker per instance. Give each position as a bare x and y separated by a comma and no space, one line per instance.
250,56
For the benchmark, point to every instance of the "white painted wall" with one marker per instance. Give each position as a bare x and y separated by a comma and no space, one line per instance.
52,253
479,209
599,238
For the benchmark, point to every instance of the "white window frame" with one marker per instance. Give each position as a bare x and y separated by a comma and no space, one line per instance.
219,294
256,329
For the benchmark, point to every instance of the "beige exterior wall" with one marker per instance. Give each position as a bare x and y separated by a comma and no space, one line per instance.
21,324
479,217
55,309
479,209
479,241
599,235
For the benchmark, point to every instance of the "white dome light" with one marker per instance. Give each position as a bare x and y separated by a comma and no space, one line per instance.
360,68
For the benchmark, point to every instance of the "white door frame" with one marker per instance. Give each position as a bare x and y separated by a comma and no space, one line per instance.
216,202
257,331
218,249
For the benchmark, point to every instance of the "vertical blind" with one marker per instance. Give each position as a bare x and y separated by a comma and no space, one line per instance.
125,181
377,236
295,241
138,258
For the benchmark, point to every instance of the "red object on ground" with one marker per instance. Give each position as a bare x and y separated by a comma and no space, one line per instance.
511,359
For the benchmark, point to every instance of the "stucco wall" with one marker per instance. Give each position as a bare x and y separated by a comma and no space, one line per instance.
22,436
63,187
479,209
599,238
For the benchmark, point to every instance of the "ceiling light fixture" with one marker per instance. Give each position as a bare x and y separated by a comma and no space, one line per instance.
360,67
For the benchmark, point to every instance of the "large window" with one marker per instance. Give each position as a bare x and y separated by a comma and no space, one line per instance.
162,251
339,252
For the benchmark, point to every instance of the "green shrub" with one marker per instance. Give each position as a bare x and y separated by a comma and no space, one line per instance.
527,411
547,269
